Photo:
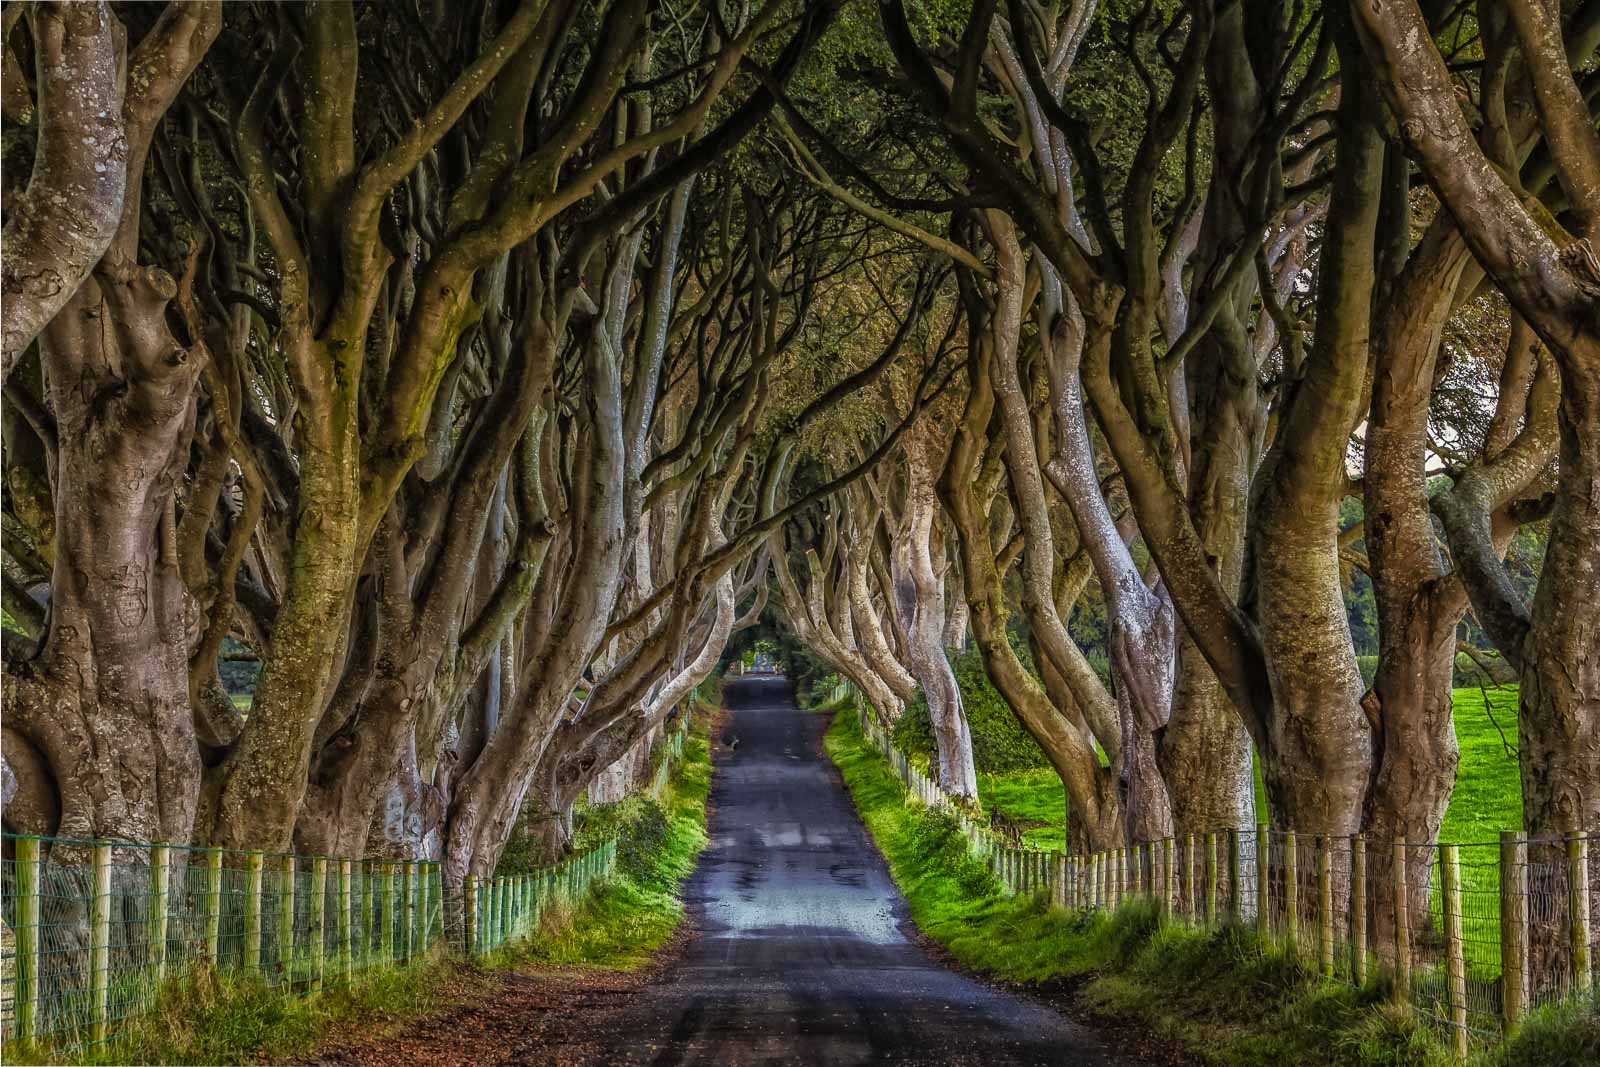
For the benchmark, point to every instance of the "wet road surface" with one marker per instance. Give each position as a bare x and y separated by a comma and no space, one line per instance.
802,952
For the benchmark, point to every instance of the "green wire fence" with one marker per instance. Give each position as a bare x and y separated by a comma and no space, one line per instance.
1470,936
94,931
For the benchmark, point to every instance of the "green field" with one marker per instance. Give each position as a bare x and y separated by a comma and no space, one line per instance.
1486,800
1031,796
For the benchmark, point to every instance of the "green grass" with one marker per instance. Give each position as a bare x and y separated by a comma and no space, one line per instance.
1486,800
633,914
1220,992
1488,792
1032,796
1561,1035
202,1018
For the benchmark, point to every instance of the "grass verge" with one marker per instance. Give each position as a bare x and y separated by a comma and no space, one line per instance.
203,1018
631,915
1221,993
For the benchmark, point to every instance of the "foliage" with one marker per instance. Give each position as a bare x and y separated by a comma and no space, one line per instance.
999,743
794,660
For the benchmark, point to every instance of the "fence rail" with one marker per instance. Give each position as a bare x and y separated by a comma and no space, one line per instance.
95,930
1470,936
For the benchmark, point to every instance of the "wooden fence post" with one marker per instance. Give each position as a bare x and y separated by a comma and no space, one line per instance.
252,912
1402,929
497,896
29,879
213,908
412,910
286,923
1263,882
1168,848
1291,891
1455,958
100,941
317,936
1578,909
1211,877
425,908
469,907
1325,904
160,890
361,917
1235,897
1191,898
347,949
1059,889
1358,909
381,897
391,879
1165,888
1513,929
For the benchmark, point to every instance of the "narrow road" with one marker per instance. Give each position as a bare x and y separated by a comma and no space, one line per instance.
802,953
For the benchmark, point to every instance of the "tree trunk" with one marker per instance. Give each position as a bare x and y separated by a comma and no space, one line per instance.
1205,751
264,779
1319,749
1091,791
919,595
106,700
1559,725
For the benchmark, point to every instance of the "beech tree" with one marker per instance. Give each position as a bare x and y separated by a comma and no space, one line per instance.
1554,285
481,370
102,695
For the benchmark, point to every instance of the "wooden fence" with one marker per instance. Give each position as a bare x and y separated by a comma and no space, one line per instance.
1471,936
95,930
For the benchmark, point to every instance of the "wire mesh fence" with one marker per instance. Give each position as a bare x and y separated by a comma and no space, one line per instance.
95,931
1470,936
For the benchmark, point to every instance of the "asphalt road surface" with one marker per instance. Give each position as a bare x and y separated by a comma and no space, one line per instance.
803,952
